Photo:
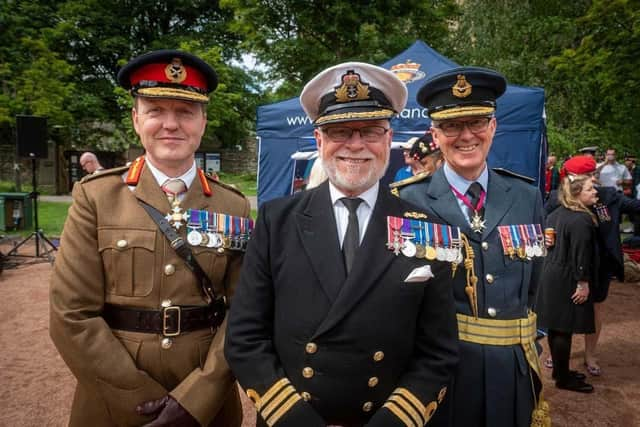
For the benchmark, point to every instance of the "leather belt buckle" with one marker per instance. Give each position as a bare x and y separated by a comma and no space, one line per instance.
167,313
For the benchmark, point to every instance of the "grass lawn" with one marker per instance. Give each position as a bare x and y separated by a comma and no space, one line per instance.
51,216
247,183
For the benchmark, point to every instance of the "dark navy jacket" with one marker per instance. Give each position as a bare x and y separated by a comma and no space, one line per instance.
345,354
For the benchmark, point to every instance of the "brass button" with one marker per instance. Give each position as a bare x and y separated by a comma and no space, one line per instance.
378,356
373,381
220,250
122,244
166,303
169,269
368,406
485,245
492,311
307,372
166,343
311,348
305,396
489,278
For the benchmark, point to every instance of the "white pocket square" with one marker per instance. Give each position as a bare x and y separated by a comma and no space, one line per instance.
420,274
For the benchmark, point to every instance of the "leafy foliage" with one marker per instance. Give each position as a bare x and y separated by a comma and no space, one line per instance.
296,39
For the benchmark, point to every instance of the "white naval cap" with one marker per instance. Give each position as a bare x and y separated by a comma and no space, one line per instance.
353,91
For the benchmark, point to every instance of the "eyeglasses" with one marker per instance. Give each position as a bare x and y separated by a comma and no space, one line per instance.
452,129
370,134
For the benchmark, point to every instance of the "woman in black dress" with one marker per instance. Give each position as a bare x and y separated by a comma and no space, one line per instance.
564,305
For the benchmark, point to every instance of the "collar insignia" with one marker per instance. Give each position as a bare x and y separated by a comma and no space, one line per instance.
462,88
352,88
175,71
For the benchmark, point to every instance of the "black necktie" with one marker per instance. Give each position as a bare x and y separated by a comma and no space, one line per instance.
352,235
473,193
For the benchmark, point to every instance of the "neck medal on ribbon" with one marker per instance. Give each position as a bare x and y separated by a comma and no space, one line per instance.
176,217
476,223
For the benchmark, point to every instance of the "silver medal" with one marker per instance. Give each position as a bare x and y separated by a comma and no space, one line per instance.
409,249
194,238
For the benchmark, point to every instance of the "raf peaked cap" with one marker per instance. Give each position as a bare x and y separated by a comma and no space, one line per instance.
353,91
462,92
169,74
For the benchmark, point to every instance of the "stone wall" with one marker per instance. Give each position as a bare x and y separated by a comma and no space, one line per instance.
239,161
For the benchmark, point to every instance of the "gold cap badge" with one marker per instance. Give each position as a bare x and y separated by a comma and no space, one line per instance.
352,88
175,71
462,88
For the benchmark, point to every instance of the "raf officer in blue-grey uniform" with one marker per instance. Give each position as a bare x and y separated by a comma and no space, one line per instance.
497,382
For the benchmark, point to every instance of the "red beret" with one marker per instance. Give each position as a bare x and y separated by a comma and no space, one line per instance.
578,165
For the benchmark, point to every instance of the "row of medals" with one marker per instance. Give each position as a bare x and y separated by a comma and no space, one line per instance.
452,254
526,250
217,240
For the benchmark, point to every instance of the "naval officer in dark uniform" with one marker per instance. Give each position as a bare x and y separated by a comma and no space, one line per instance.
501,216
332,325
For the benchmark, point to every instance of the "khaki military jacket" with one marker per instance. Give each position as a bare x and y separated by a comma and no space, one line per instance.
112,252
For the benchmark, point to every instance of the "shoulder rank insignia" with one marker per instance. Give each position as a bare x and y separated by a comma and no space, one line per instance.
415,178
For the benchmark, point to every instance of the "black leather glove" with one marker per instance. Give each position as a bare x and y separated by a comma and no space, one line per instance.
168,412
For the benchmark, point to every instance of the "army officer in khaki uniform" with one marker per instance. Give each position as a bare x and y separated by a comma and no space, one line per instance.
141,332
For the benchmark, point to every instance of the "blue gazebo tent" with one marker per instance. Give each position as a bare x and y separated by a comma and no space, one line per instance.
519,144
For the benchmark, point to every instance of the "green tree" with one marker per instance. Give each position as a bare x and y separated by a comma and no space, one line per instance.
598,77
295,39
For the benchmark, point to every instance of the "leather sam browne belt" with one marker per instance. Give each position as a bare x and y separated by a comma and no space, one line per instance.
168,321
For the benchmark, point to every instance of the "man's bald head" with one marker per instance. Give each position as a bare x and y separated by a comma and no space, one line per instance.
89,162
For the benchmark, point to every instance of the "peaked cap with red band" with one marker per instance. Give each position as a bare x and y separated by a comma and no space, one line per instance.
169,74
578,165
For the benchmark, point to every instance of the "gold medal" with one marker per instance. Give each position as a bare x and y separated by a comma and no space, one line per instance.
420,251
430,253
521,253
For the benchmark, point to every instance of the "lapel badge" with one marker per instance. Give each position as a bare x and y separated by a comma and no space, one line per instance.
352,88
175,71
415,215
462,88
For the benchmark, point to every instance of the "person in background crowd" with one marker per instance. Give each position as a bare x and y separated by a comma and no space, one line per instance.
588,151
613,174
411,161
317,175
429,156
564,302
551,176
497,382
89,163
137,301
335,321
610,205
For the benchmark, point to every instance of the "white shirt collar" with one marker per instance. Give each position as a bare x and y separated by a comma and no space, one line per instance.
368,196
160,177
